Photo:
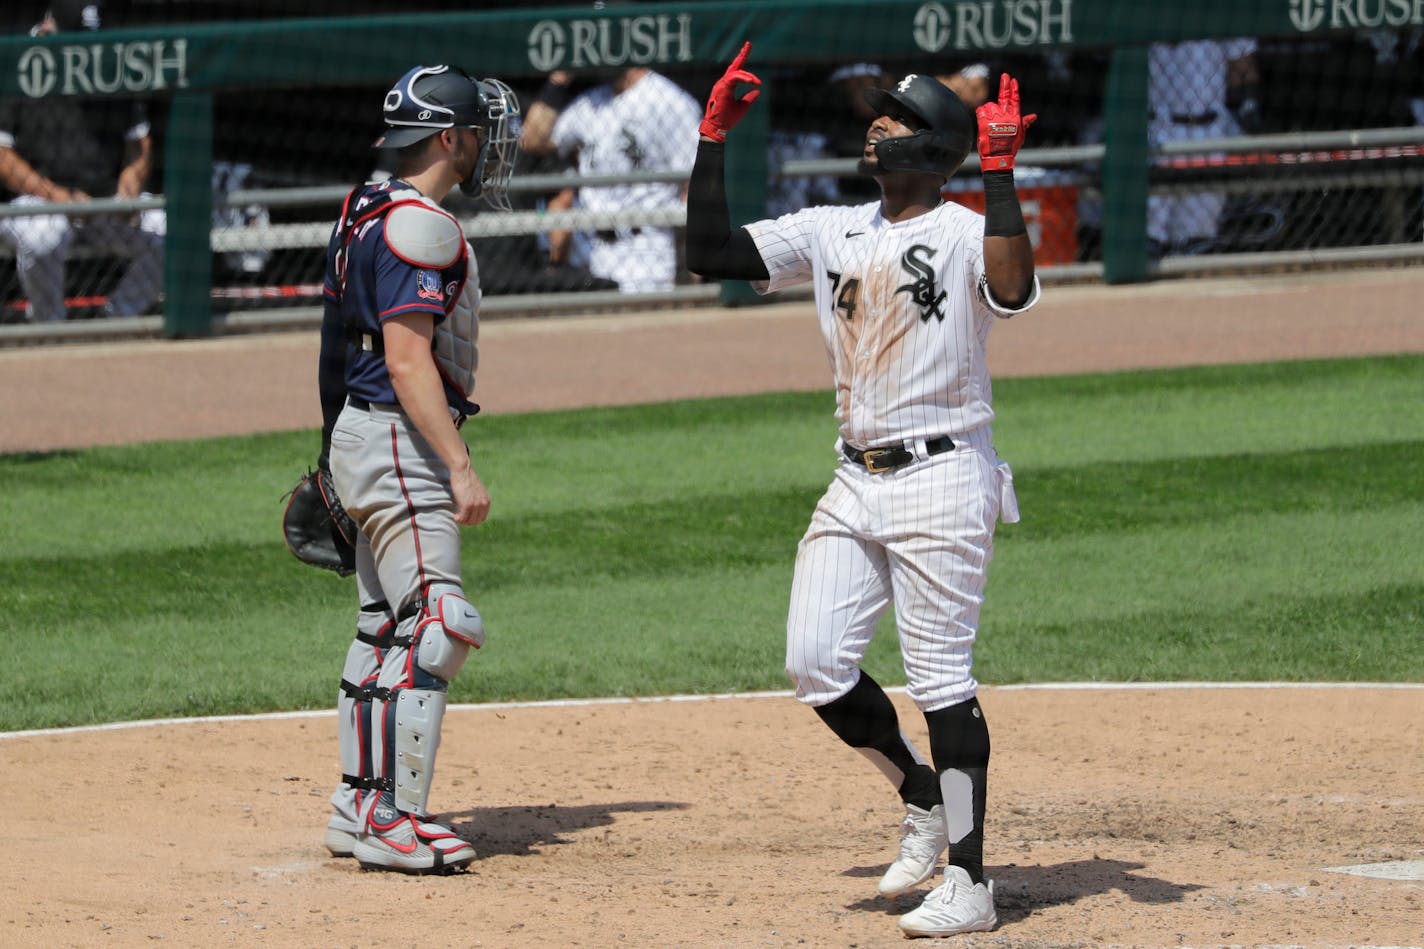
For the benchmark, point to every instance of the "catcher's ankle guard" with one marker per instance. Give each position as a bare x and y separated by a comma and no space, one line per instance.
316,527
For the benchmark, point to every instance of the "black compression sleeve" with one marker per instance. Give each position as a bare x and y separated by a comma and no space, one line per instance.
714,249
1003,217
555,95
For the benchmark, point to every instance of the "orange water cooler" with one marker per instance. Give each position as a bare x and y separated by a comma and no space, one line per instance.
1050,210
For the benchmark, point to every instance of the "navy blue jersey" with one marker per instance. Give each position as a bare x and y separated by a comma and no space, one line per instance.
367,283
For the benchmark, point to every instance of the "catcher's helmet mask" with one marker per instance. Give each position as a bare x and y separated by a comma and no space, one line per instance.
429,99
948,130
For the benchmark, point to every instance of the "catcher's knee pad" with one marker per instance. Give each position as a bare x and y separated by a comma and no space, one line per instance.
412,694
449,627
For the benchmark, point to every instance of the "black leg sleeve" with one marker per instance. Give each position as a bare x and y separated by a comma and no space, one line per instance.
713,248
959,742
865,719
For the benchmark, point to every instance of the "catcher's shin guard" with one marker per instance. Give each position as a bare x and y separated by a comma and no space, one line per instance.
410,694
375,635
419,713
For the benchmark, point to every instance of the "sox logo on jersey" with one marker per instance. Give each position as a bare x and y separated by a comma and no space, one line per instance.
922,290
902,312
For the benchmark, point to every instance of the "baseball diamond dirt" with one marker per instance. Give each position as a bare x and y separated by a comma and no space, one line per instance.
1152,816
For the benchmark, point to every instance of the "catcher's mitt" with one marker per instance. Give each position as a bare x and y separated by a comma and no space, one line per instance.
316,526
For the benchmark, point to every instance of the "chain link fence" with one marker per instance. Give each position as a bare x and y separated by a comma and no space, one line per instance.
1261,150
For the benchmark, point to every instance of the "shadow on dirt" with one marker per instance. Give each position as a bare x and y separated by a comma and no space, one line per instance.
519,831
1019,890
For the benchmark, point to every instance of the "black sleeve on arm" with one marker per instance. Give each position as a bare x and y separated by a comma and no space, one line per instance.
1003,215
331,376
713,248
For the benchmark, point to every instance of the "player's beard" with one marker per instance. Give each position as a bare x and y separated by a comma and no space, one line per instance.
868,167
466,160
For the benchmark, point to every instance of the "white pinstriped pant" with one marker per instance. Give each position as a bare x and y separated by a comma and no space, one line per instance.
921,536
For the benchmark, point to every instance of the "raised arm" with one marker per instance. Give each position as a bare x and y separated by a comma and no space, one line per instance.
713,248
1008,253
536,136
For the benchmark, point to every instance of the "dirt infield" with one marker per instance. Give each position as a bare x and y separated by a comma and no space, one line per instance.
1141,817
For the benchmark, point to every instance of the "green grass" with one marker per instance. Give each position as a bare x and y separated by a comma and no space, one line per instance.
1231,523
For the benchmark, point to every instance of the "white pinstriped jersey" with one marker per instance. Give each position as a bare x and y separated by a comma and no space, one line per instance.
904,311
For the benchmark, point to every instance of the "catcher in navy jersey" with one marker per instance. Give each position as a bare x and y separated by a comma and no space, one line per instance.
906,290
398,359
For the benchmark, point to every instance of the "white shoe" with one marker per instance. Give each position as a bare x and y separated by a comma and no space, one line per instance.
924,836
412,846
955,906
340,836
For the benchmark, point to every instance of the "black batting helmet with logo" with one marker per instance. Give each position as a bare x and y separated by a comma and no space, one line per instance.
950,131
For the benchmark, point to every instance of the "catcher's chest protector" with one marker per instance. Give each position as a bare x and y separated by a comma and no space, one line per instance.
421,232
457,338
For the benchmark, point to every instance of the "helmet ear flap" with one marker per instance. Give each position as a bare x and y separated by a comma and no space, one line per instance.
936,150
932,153
942,150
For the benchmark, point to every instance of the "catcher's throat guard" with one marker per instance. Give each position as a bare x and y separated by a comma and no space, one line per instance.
316,527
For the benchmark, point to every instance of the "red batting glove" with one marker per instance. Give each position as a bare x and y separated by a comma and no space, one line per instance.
1001,130
724,107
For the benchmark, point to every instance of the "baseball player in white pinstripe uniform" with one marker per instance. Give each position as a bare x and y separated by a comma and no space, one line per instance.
906,291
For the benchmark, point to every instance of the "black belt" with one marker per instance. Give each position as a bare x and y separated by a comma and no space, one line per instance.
1201,118
366,342
609,237
357,402
877,460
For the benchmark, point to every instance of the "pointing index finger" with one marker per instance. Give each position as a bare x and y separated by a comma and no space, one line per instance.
741,56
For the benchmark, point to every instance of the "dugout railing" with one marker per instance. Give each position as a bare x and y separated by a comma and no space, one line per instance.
1244,165
1250,166
188,65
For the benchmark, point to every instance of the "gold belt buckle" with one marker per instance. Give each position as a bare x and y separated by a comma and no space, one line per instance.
870,457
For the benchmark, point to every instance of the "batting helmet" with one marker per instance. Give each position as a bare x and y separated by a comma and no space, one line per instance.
942,145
